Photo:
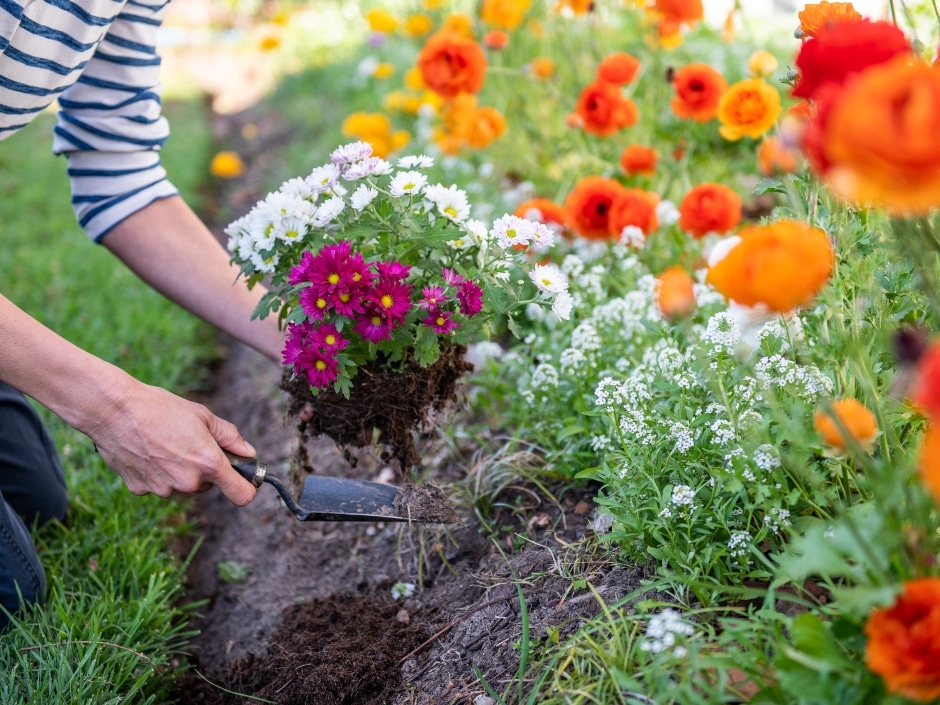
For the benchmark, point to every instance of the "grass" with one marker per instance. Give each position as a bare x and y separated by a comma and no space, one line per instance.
112,628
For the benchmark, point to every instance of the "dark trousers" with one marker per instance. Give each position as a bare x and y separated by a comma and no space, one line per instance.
32,492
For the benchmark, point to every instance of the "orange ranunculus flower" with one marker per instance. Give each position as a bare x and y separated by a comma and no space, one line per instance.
458,23
762,63
588,206
504,14
674,293
542,67
637,159
709,208
903,647
698,89
878,137
781,265
227,165
680,11
925,393
488,124
381,20
930,460
544,211
618,68
451,64
418,25
841,50
604,110
748,109
496,39
578,7
859,423
817,15
774,157
632,206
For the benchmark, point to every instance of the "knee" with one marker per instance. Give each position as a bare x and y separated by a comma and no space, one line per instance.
22,580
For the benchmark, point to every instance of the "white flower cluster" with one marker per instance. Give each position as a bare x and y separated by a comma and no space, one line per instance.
665,631
738,543
723,333
540,385
777,519
766,458
683,435
400,590
778,372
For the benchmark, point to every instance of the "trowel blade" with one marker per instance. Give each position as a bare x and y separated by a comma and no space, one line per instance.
347,499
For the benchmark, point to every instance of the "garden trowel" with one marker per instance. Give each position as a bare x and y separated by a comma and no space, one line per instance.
339,498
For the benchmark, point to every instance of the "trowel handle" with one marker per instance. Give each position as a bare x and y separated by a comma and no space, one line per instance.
251,469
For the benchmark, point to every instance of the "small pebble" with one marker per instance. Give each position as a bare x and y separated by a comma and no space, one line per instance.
483,700
403,616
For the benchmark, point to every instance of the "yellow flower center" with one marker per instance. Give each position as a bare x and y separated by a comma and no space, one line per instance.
387,301
333,279
357,276
451,211
330,339
458,243
441,320
321,303
511,233
344,297
376,320
546,281
320,365
291,234
408,186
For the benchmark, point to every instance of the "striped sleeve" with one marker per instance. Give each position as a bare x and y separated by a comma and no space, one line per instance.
110,126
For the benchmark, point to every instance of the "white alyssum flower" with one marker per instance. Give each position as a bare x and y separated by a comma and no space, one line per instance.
416,161
548,278
683,496
738,543
363,196
370,166
666,213
572,265
722,332
322,178
407,183
664,631
572,360
721,248
682,434
450,201
400,590
350,153
777,519
328,211
633,237
766,458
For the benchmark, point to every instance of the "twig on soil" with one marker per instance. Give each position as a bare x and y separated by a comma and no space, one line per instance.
233,692
34,647
450,626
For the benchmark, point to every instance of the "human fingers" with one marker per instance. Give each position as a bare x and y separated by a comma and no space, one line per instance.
236,488
306,413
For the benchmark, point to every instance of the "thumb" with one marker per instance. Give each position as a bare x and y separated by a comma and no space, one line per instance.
228,437
235,488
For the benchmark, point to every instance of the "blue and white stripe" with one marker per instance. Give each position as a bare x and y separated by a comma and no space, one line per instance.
99,59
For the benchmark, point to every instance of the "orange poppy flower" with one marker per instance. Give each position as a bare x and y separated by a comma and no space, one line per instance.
748,109
926,389
637,159
588,206
544,211
709,208
542,67
604,109
859,423
451,64
698,89
840,50
674,293
487,124
782,265
930,460
504,14
774,157
632,206
903,647
817,15
878,137
618,68
803,110
496,39
578,7
680,11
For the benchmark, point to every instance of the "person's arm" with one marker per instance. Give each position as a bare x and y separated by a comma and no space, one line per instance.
157,442
168,247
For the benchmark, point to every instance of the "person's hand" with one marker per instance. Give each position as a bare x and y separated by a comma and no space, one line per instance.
160,443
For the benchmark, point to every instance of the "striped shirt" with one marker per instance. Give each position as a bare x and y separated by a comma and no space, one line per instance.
98,58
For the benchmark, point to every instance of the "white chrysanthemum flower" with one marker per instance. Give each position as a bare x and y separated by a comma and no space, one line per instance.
548,278
306,210
290,229
542,235
666,213
407,182
512,231
328,211
562,306
297,188
631,236
323,177
370,166
363,196
416,161
449,201
351,153
265,264
476,229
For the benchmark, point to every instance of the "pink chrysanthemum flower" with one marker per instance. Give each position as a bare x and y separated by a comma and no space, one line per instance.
315,305
392,270
391,299
361,273
442,322
451,277
373,328
297,334
434,298
301,272
321,368
347,303
470,297
330,270
327,338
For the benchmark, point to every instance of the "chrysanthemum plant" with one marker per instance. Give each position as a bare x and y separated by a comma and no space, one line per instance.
365,261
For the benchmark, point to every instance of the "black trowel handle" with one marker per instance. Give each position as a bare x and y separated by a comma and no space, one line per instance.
256,472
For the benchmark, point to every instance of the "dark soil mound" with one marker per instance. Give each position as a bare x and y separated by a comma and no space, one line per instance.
395,404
